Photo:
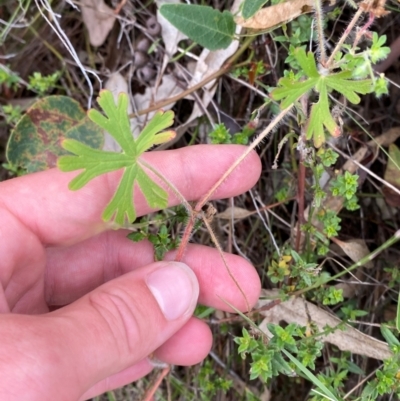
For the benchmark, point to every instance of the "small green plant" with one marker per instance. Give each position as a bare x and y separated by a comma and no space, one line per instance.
11,113
8,78
43,84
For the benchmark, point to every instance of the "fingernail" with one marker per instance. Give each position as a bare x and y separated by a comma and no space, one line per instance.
175,288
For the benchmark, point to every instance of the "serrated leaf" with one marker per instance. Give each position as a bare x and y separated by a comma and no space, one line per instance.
293,92
35,142
95,162
250,7
150,134
341,83
307,62
204,25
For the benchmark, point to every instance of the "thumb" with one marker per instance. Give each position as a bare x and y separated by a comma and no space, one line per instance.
110,329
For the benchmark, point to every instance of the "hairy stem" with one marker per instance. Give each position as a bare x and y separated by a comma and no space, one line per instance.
221,252
346,33
319,19
206,197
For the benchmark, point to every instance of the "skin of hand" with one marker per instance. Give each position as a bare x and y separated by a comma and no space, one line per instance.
115,306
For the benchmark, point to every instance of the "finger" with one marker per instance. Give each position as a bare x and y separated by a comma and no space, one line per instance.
129,375
188,346
76,270
60,216
105,332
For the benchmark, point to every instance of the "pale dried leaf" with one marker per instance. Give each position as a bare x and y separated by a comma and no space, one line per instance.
277,14
235,212
99,20
297,310
355,249
208,63
171,36
151,95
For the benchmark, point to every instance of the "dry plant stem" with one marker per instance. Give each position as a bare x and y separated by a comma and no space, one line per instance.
221,252
300,201
188,229
224,69
156,384
319,19
346,33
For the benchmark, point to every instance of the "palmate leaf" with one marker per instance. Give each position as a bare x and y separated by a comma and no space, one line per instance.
95,162
290,91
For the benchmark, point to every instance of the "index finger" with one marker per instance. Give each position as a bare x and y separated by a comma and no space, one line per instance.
57,216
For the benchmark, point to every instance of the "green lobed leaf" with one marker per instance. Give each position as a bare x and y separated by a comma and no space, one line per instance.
291,92
116,121
35,142
307,62
321,117
148,137
96,162
204,25
250,7
347,87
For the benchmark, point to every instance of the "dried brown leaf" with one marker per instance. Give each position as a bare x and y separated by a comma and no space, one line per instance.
298,310
99,20
277,14
355,249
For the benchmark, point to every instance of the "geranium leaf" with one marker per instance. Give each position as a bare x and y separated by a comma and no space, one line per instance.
95,162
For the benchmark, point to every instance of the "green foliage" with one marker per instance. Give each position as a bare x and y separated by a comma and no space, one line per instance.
291,89
96,162
345,185
272,357
250,7
43,84
327,156
221,135
202,24
8,78
210,383
377,51
12,113
331,223
162,239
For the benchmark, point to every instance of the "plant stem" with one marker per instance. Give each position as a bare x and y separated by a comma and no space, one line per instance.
346,33
319,18
188,229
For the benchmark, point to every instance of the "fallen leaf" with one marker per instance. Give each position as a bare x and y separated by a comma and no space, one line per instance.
297,310
99,20
277,14
355,249
236,213
35,142
171,36
168,88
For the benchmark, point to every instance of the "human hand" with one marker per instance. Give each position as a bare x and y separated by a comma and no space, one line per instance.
56,251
